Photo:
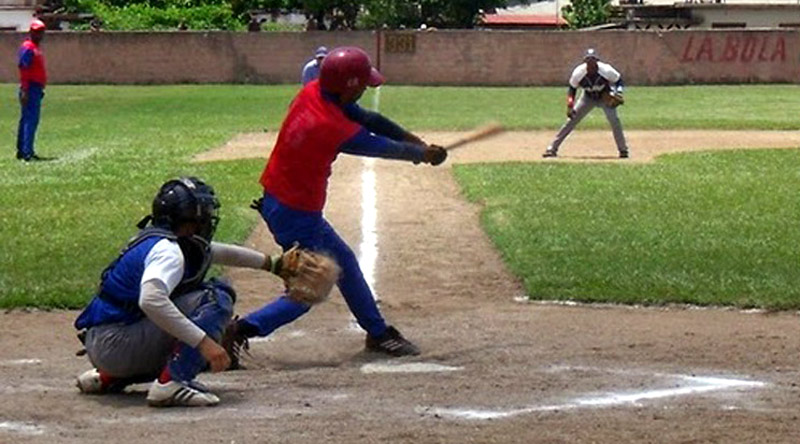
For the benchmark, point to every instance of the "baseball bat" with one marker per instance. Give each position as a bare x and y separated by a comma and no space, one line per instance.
479,133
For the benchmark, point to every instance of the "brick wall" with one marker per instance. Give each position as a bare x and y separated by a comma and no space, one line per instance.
438,57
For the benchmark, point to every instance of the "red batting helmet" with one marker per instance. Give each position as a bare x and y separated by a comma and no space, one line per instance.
37,25
347,71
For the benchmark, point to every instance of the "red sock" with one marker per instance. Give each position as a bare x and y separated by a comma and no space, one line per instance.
105,379
165,377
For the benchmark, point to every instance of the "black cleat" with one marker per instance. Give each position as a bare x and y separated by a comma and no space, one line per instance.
549,153
234,342
392,343
623,155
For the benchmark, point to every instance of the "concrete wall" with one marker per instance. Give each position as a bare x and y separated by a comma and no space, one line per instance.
439,57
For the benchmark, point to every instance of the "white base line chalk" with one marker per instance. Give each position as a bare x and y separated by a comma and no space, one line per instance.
694,385
21,427
413,367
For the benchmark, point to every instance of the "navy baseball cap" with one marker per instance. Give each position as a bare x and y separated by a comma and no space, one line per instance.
591,54
321,52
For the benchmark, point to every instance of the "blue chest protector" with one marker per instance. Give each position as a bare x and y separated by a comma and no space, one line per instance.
117,298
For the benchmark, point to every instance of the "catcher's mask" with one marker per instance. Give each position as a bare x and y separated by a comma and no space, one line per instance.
187,199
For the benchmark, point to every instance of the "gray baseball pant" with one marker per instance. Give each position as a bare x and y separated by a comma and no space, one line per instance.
140,350
582,108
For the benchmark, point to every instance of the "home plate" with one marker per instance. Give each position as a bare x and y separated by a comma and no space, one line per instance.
411,367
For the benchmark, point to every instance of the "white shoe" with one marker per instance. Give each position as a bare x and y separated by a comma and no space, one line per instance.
174,393
89,382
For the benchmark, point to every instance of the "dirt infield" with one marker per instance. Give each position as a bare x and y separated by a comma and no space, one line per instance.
493,369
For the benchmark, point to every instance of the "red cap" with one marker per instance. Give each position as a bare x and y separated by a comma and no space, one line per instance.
347,71
37,25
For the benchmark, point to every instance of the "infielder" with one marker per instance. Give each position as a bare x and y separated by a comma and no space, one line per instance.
602,86
154,315
323,121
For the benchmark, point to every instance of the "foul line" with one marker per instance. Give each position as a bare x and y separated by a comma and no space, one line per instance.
368,250
695,385
369,214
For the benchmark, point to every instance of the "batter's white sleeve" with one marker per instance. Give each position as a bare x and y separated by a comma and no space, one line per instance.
236,256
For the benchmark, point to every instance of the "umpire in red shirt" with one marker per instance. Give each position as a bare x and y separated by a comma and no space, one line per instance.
33,78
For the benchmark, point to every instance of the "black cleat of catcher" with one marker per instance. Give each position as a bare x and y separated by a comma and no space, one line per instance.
392,343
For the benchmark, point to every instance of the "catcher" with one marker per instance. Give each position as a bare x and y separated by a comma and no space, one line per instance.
602,86
156,317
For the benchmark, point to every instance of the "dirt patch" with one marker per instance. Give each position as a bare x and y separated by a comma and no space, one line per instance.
528,146
510,371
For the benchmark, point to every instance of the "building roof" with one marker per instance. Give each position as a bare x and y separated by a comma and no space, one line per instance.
523,20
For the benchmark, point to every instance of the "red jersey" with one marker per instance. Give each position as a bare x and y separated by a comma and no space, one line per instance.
31,68
310,138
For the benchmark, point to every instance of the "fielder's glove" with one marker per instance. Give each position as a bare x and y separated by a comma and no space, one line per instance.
309,277
612,98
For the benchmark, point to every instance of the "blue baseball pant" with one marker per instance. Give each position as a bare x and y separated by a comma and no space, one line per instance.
311,231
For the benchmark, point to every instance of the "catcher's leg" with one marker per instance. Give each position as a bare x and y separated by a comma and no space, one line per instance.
616,128
210,309
582,108
138,352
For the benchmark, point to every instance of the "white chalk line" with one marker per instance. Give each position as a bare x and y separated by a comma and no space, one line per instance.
368,249
695,385
568,303
16,362
412,367
34,388
23,428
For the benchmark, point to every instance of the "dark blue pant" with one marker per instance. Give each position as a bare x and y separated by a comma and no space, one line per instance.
313,232
211,315
29,121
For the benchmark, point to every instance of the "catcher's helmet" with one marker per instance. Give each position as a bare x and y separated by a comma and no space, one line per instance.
347,72
187,199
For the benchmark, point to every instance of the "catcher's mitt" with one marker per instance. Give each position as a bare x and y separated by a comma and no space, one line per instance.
309,277
612,99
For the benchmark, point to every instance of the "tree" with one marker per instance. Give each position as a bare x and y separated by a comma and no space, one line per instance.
583,13
438,13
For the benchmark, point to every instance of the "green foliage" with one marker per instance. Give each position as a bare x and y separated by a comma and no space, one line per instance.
437,13
159,15
142,16
584,13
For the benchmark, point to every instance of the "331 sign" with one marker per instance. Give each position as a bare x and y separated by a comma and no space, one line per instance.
404,43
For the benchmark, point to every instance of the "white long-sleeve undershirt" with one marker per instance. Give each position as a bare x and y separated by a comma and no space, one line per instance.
164,266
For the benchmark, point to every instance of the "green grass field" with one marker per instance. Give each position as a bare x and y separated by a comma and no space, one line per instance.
698,228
